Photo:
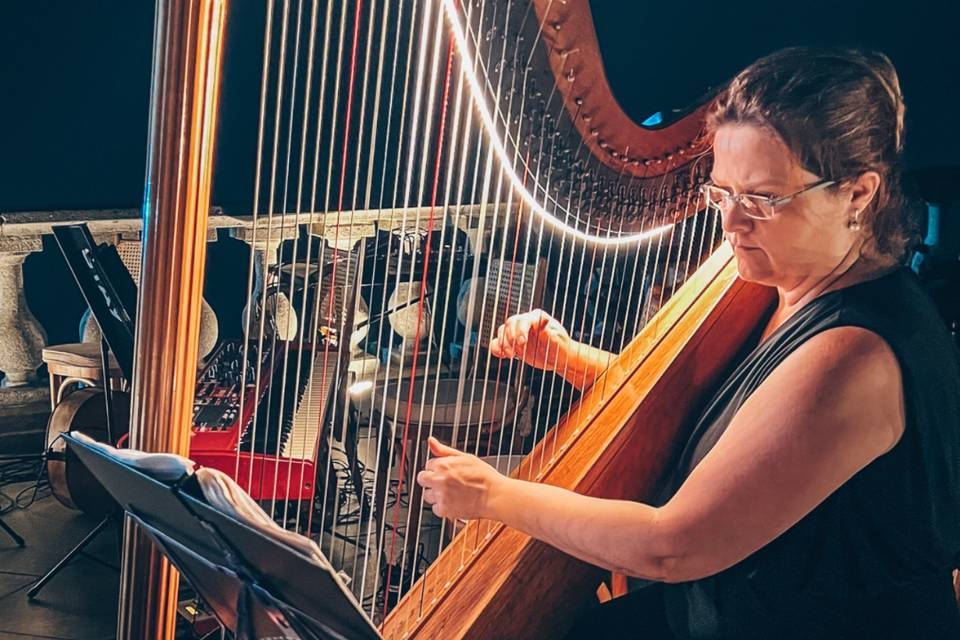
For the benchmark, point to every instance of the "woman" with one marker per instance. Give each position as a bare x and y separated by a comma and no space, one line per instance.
817,495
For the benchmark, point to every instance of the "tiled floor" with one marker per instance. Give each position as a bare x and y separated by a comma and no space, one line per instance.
80,603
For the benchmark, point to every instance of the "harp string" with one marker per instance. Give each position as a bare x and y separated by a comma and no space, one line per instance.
321,255
347,338
381,432
423,282
304,332
461,106
270,256
381,427
257,185
518,365
553,398
561,259
496,314
324,463
424,279
541,137
610,283
341,314
353,271
475,368
631,312
414,129
451,158
264,260
284,208
511,279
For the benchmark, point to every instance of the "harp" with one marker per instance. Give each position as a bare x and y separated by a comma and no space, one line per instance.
430,169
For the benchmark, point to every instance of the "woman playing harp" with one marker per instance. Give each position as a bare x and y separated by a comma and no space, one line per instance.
817,494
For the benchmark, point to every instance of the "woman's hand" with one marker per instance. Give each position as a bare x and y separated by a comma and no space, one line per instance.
534,337
457,484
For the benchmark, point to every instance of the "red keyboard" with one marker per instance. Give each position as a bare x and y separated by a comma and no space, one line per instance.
261,423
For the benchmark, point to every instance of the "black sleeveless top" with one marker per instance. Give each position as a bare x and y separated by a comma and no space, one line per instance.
875,558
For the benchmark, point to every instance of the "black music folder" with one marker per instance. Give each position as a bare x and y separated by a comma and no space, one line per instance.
256,586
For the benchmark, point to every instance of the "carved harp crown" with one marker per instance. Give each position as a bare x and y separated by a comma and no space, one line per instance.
424,170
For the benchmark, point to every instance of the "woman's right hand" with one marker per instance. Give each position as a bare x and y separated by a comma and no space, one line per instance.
536,338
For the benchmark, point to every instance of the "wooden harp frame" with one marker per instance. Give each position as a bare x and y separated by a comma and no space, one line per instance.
184,100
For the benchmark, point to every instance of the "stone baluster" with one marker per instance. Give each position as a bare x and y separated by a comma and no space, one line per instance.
131,256
265,244
21,337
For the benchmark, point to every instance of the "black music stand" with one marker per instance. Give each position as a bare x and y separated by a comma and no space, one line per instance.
256,586
111,294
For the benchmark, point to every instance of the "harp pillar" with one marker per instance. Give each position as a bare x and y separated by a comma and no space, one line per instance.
188,39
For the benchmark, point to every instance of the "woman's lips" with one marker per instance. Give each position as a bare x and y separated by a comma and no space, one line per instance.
736,244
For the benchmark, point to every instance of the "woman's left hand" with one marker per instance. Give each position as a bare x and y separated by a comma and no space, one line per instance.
457,484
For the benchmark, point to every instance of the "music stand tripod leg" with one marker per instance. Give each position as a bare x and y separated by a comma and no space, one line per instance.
13,534
41,583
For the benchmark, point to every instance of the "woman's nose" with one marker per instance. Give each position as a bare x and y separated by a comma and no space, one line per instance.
734,220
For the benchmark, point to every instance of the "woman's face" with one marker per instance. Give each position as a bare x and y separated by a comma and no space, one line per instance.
807,238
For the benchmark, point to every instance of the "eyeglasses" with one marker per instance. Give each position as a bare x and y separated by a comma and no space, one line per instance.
754,206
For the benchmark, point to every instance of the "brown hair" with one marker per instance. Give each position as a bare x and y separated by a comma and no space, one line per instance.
841,113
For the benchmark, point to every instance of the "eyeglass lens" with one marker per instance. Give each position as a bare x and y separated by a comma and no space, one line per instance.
753,205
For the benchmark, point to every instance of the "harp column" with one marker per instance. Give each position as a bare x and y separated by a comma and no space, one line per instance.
188,39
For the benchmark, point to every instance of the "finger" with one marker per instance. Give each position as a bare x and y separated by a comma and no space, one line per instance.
441,450
518,327
541,319
523,331
506,340
495,348
511,325
503,348
429,496
426,479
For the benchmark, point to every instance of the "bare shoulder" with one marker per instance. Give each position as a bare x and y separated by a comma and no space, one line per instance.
843,376
827,411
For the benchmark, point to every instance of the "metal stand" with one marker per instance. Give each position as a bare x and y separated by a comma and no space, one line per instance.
110,517
42,582
13,534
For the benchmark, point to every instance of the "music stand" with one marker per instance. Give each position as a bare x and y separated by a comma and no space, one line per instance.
111,294
256,586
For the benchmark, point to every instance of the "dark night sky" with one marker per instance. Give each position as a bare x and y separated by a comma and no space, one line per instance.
75,80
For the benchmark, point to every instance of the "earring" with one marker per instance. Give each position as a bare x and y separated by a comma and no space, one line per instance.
854,222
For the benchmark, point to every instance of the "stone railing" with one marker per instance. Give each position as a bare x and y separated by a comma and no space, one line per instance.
21,336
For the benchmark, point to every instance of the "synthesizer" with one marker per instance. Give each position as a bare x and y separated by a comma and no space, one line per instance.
261,421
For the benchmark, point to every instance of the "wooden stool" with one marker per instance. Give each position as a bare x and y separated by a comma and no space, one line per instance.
77,363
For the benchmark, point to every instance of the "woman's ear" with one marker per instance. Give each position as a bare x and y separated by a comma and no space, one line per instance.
863,189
